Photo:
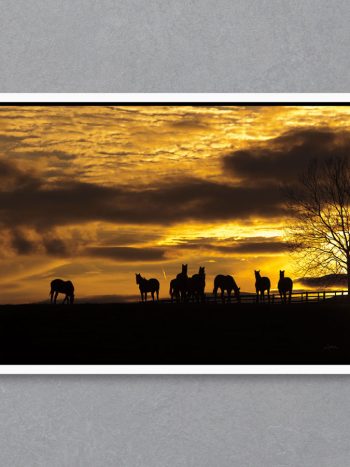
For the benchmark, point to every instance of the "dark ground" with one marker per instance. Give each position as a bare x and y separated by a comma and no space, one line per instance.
163,333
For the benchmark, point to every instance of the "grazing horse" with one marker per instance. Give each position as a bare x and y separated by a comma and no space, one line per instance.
147,285
285,284
65,287
262,284
226,283
182,283
196,285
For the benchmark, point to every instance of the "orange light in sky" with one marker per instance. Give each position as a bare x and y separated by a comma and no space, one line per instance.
166,164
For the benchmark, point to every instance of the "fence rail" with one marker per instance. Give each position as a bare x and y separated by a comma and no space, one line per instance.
296,297
299,297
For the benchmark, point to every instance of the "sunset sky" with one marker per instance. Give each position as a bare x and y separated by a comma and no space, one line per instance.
96,193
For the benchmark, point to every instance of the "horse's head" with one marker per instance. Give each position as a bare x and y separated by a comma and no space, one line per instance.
138,278
257,274
201,271
184,269
282,274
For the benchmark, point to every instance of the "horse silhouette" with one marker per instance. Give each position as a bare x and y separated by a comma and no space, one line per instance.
181,285
65,287
262,284
174,291
147,285
285,285
226,283
196,286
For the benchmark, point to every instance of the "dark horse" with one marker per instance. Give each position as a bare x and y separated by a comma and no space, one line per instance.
226,283
174,290
65,287
285,285
196,286
178,286
262,284
147,285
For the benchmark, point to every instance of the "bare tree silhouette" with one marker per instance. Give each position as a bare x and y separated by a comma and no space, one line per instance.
320,206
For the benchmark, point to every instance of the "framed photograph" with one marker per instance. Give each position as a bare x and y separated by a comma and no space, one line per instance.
175,233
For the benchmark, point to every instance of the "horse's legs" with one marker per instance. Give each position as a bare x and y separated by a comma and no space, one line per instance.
215,292
257,295
268,295
55,298
152,294
145,294
229,295
157,292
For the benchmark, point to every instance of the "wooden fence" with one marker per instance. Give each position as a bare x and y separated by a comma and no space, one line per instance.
297,297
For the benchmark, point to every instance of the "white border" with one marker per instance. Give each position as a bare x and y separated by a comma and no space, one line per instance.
175,369
312,98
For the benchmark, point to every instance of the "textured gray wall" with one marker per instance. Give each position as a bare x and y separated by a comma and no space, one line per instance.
174,46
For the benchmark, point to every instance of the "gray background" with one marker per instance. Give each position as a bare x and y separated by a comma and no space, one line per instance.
174,46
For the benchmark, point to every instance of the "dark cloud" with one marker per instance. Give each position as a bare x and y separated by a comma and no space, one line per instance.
57,247
284,158
330,280
260,247
255,245
8,139
27,200
60,155
25,242
21,244
190,123
127,253
12,177
123,237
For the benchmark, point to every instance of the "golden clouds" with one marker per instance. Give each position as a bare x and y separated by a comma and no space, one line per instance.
97,193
